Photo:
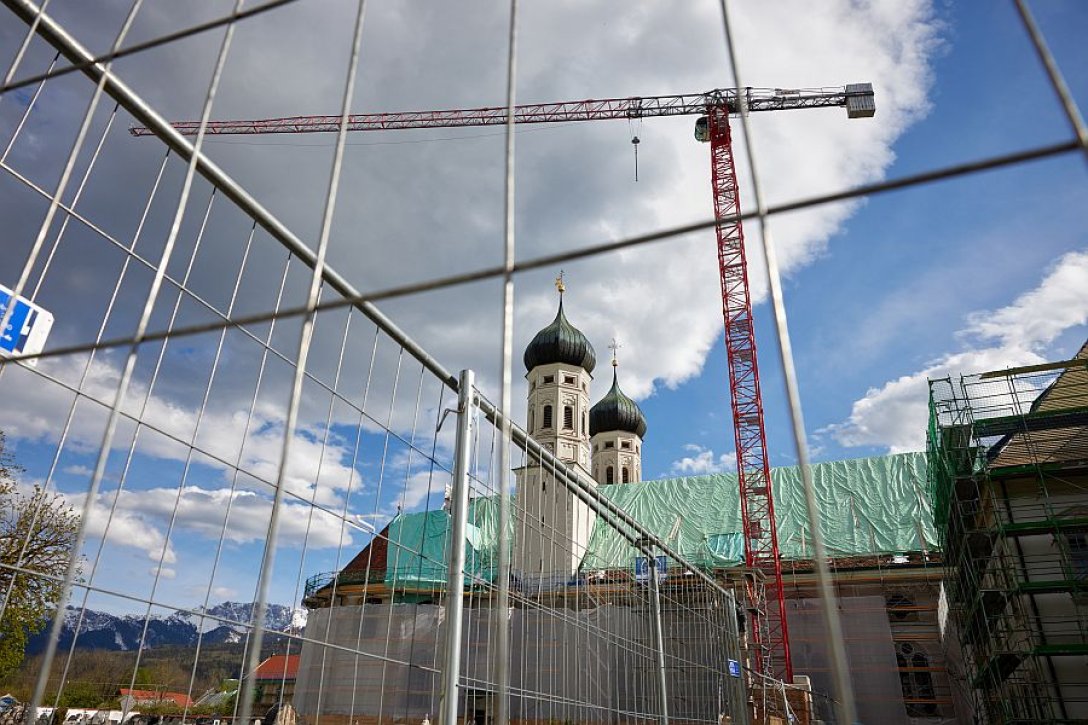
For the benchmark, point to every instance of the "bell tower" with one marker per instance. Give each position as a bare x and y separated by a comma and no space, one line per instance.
617,427
553,526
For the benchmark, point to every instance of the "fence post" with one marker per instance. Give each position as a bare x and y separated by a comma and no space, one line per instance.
659,631
455,576
738,697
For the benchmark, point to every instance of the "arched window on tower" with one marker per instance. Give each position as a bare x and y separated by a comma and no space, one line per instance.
609,475
531,416
626,475
547,417
568,417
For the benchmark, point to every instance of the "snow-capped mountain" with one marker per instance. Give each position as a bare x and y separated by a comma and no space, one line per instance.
225,623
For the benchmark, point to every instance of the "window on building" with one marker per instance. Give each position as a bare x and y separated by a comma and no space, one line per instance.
625,444
916,680
585,423
901,608
568,417
547,423
609,475
569,380
626,475
531,416
609,444
548,379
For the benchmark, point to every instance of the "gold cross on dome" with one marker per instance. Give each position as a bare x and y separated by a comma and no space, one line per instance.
559,283
614,347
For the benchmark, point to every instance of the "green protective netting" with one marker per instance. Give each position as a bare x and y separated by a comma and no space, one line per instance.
867,506
418,543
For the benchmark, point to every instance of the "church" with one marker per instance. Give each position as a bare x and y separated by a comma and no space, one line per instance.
603,441
579,596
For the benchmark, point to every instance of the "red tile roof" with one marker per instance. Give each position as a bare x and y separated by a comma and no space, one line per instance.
373,556
153,696
276,666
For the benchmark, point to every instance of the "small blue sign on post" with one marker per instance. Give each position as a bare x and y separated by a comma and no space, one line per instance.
642,568
27,326
734,668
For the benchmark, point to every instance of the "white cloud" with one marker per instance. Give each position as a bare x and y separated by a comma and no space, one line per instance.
141,517
222,431
1037,318
894,415
127,527
420,486
419,210
703,461
162,572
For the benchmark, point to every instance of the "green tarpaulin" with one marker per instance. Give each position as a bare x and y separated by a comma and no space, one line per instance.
418,543
868,506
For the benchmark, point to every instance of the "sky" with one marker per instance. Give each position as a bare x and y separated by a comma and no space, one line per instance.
882,294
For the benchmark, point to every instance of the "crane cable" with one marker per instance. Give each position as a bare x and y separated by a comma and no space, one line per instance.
635,140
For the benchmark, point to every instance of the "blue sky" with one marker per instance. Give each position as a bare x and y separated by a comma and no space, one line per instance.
980,272
893,292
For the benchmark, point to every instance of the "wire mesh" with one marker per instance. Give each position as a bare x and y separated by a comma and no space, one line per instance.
276,377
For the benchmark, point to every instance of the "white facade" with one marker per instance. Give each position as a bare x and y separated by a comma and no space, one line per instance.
553,526
617,457
558,412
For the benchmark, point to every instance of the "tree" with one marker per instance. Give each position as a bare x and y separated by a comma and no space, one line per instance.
37,533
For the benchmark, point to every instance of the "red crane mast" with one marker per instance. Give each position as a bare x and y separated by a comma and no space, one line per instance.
769,631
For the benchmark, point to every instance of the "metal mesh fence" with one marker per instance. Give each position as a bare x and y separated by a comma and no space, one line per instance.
268,411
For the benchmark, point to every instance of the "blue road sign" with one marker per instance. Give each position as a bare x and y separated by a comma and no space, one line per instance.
734,668
27,327
642,568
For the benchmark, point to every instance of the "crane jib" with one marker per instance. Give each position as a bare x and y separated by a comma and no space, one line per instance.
857,98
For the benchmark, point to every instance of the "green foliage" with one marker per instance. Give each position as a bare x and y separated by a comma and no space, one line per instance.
80,694
37,532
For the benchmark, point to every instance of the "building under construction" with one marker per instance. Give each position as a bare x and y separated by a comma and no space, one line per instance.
1009,480
877,524
661,620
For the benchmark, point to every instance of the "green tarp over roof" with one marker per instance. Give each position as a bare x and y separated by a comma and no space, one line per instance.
418,543
868,505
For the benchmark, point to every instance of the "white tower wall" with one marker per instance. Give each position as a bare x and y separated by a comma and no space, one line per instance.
553,526
622,452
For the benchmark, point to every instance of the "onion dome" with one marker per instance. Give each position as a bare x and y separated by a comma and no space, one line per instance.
560,342
616,412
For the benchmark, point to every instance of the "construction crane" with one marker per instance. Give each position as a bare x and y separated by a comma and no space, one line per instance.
769,631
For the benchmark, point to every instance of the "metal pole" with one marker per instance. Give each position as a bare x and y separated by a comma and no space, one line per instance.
455,578
659,634
738,697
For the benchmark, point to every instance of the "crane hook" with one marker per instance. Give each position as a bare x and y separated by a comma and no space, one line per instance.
634,143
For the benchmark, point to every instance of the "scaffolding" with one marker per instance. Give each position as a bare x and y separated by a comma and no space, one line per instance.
1008,474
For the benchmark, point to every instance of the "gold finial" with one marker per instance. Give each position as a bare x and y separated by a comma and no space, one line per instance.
614,347
559,283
